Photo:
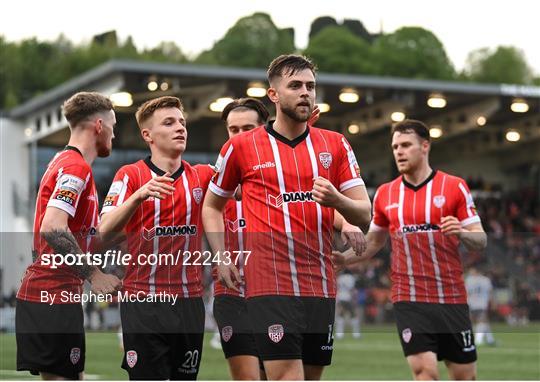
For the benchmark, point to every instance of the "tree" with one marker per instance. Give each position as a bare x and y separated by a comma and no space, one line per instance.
412,52
166,51
506,64
337,49
252,42
320,23
358,29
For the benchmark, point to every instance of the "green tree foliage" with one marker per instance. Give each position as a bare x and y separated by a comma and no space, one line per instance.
30,67
252,42
337,49
506,64
320,23
412,52
358,29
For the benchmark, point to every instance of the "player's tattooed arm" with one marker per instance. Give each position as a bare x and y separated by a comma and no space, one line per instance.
63,242
55,230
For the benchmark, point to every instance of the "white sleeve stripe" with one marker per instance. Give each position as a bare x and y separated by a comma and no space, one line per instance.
468,199
83,189
351,183
470,220
223,166
219,191
62,206
351,166
123,192
376,228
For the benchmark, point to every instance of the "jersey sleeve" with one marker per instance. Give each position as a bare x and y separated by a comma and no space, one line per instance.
465,208
122,187
348,170
71,182
228,171
380,220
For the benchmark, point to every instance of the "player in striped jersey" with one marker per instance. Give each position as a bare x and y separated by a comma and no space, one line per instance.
157,202
427,214
49,318
293,176
230,309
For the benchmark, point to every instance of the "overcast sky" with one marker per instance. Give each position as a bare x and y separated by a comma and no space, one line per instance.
461,25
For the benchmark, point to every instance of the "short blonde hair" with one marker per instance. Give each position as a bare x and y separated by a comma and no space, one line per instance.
147,109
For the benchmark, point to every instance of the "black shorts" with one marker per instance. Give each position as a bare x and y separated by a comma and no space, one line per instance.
234,326
444,329
288,327
161,340
50,338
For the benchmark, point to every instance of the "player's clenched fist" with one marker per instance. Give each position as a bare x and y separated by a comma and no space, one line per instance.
324,192
158,187
450,225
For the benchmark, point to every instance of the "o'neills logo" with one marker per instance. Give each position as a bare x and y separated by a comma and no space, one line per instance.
290,197
420,228
172,230
264,165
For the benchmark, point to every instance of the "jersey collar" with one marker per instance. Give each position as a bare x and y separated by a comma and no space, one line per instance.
160,172
68,147
293,143
419,186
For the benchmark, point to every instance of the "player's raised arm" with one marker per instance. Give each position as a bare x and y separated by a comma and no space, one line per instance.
353,203
116,213
465,223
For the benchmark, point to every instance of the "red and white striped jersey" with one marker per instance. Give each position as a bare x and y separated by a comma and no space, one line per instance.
426,265
288,233
169,226
68,185
235,224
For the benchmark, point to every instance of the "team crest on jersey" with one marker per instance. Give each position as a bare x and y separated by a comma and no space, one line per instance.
325,159
131,358
439,201
198,194
234,225
406,334
276,332
226,333
75,355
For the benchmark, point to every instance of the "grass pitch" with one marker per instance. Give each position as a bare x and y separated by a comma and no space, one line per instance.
377,355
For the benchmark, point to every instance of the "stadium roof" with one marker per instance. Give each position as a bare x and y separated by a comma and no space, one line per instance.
474,119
